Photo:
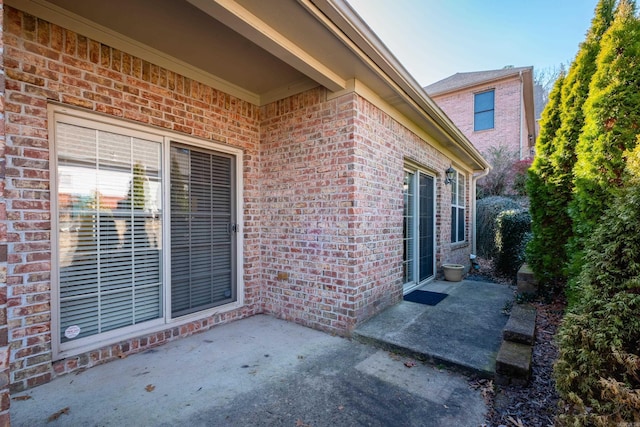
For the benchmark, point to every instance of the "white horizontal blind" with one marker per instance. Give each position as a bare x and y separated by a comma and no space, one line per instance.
457,207
202,238
109,219
461,206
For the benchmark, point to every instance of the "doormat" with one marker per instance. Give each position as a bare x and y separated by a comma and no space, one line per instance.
425,297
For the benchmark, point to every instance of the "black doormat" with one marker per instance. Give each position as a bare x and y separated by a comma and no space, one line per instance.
425,297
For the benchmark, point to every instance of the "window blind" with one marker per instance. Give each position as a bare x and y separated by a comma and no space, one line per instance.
201,235
109,238
457,207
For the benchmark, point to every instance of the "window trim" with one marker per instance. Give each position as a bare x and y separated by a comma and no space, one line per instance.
454,223
492,109
101,121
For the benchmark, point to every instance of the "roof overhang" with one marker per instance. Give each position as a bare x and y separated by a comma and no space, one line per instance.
260,51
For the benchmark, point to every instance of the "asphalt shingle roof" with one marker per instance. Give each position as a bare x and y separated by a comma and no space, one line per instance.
460,80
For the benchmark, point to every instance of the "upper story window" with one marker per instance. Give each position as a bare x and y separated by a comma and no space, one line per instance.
483,109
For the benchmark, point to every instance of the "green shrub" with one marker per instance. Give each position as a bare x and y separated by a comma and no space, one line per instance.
598,369
555,221
488,210
611,122
513,231
551,225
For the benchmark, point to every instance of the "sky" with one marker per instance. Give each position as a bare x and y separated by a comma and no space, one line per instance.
434,39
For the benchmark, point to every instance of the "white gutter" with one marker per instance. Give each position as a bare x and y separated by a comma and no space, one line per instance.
346,24
521,113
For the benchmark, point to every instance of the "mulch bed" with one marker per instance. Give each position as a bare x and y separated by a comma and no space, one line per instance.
536,404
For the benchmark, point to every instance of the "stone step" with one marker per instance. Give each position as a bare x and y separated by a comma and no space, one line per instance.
513,363
521,326
527,283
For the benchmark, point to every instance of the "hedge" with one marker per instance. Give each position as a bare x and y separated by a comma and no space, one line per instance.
598,369
488,210
513,231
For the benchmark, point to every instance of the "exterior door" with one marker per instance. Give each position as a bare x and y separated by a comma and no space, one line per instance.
202,230
419,229
426,227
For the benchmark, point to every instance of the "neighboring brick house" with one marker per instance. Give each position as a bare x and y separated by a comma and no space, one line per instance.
492,108
174,165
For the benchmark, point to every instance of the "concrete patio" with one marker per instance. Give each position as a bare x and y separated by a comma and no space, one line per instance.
463,331
262,371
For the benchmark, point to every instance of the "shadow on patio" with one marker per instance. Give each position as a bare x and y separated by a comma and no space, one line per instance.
463,331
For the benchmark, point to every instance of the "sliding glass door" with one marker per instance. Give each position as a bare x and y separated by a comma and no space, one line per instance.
419,228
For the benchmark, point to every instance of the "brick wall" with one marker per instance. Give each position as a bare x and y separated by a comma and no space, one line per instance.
507,118
45,63
307,252
379,127
323,190
4,333
333,206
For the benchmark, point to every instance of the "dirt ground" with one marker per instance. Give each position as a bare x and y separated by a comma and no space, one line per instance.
534,405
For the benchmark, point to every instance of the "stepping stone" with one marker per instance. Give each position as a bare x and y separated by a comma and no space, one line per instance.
513,364
521,326
527,283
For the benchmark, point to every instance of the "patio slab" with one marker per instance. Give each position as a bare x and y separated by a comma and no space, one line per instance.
259,371
463,331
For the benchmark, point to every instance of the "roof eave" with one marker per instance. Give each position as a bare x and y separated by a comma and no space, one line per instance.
481,82
371,50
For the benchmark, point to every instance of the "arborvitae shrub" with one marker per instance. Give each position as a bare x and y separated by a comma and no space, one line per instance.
612,123
598,369
550,225
513,230
574,94
488,210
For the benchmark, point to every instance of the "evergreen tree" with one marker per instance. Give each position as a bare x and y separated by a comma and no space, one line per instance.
598,368
612,123
550,185
574,94
544,255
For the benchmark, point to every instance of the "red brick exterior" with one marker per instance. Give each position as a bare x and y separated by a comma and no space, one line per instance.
510,129
322,205
4,331
333,174
47,63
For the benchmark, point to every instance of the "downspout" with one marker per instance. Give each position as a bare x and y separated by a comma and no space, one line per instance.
521,113
474,211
